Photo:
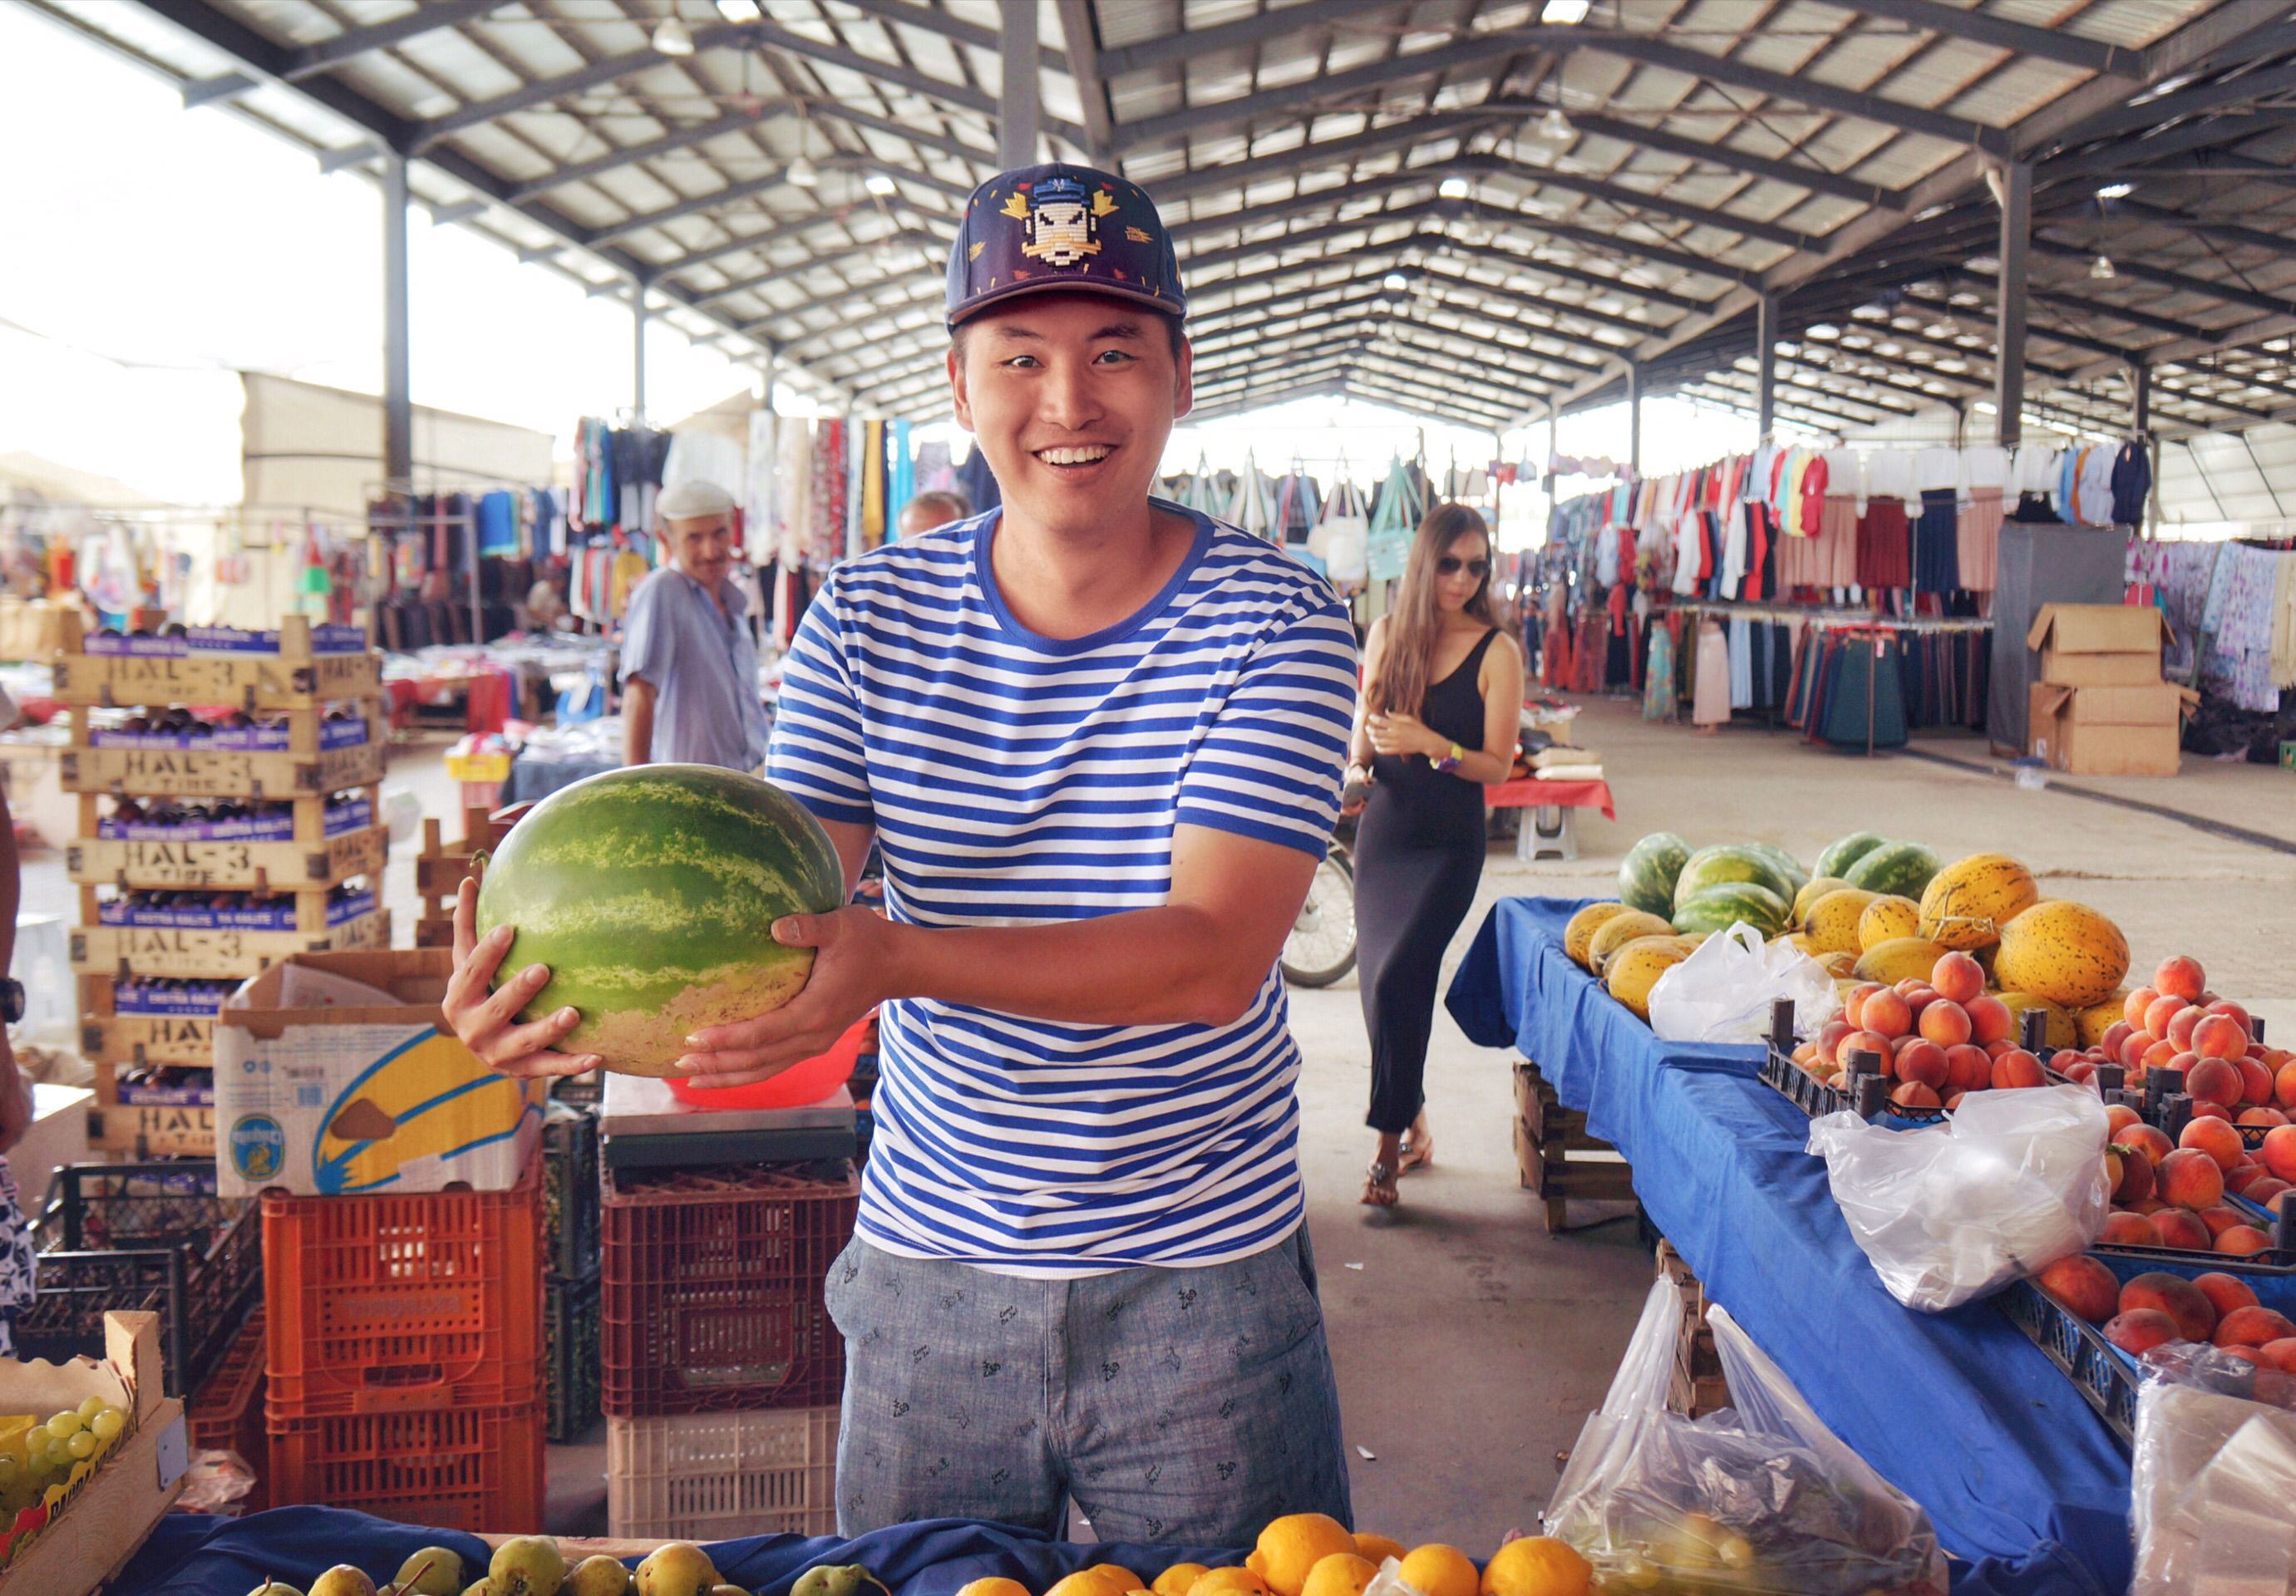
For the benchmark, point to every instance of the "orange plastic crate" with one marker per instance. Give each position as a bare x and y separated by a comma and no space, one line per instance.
468,1469
421,1300
712,1289
226,1414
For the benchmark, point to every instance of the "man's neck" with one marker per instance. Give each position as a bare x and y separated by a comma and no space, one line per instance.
1068,583
716,590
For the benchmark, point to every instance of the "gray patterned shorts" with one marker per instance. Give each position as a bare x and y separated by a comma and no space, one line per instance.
1188,1407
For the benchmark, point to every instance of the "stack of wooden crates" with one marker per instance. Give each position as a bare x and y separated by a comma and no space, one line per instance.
1546,1135
294,681
1699,1386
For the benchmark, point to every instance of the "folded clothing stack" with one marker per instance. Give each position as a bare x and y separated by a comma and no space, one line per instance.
1560,764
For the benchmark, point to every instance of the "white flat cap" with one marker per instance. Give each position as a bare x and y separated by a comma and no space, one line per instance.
688,500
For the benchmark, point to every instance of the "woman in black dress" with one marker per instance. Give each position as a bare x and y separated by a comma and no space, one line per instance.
1436,721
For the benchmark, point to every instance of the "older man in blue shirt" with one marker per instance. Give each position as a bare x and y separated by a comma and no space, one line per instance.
689,665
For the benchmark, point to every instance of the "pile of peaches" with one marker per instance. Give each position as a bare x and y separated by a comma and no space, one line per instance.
2176,1023
2152,1310
1938,1039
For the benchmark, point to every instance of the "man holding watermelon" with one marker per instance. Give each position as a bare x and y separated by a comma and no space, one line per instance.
1099,740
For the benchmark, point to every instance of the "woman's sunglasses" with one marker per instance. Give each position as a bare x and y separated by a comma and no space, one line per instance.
1449,565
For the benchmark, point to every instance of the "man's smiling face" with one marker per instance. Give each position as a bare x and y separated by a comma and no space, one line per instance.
1071,397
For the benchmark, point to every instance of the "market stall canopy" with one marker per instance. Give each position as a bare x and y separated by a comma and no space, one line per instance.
304,447
27,480
1480,211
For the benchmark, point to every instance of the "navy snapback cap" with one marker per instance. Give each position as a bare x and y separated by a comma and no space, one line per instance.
1061,228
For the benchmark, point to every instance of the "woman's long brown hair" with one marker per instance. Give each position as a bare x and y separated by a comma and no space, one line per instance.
1416,624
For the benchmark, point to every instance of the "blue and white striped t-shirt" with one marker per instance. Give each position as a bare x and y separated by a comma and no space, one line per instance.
1015,779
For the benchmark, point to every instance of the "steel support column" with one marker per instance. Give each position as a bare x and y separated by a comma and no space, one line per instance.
1017,111
2013,188
637,351
1765,366
397,385
1634,420
2140,423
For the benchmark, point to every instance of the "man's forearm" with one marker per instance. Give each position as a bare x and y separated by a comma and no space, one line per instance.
637,728
1173,965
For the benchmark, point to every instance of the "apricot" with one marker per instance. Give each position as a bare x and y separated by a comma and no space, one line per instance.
1958,977
2280,1354
2119,1118
2190,1178
2134,1006
2225,1292
2241,1240
1967,1069
2279,1152
2262,1192
2136,1183
1989,1019
2134,1047
2255,1081
2157,1056
2284,1086
2246,1354
1887,1013
1913,1094
2186,1304
1925,1062
2217,1037
2221,1218
2252,1327
2182,1024
2181,976
2211,1080
1946,1022
1830,1035
2080,1070
2218,1139
1865,1041
2017,1067
2141,1331
2183,1229
2150,1139
2164,1011
2086,1287
2232,1011
2212,1111
2115,1033
2152,1207
2260,1116
2240,1177
1853,1005
2125,1229
1918,995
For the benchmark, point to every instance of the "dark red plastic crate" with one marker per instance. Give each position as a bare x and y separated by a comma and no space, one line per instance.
422,1299
226,1414
712,1289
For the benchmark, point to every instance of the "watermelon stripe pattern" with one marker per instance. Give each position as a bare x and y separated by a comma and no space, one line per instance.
1013,778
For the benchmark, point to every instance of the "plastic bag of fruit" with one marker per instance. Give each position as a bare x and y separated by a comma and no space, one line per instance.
1760,1498
2211,1475
1723,992
2012,1182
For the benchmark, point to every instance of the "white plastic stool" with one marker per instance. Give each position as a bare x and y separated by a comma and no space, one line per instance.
1548,831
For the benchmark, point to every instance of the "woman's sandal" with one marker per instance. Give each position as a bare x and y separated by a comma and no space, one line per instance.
1416,1155
1378,1187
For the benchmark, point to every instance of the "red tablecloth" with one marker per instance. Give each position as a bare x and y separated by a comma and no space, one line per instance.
1532,793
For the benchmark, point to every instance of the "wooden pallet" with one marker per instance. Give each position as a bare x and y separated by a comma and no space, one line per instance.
178,955
294,678
1546,1135
178,773
440,868
148,1131
145,1039
263,867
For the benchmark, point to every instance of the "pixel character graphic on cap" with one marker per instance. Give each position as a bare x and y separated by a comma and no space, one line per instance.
1060,224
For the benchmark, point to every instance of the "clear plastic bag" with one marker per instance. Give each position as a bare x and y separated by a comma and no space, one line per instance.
2009,1183
1760,1499
2211,1476
1723,992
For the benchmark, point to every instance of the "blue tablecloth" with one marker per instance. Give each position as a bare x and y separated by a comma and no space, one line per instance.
189,1556
1958,1409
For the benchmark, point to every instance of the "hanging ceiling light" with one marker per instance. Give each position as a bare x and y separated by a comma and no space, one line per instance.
2116,190
1564,14
1396,281
741,11
671,36
1555,128
802,173
1453,188
2100,268
879,183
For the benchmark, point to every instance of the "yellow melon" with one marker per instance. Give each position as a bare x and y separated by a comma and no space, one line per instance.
2059,1029
1833,919
1635,968
1892,962
1813,889
2091,1024
1968,902
2063,952
1885,920
1581,931
1619,929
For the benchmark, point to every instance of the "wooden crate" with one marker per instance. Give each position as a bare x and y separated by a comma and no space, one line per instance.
263,867
116,1039
151,1132
441,867
1698,1387
175,773
294,678
119,950
1546,1136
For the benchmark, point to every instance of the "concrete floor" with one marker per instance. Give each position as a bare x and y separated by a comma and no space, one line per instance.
1470,1345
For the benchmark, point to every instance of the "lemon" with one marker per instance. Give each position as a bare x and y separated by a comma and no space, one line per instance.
994,1587
1440,1570
1341,1574
1291,1547
1537,1566
1244,1582
1174,1581
1378,1549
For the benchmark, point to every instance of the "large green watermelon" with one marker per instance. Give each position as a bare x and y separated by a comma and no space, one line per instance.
1719,908
1727,862
651,893
1788,865
1836,859
1895,869
1647,876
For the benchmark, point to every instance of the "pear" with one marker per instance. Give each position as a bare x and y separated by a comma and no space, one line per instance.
834,1579
599,1576
727,1590
342,1580
432,1571
271,1587
680,1568
484,1587
527,1565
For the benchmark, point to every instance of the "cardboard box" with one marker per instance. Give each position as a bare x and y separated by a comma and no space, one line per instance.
2154,704
2098,645
2066,731
101,1521
335,1074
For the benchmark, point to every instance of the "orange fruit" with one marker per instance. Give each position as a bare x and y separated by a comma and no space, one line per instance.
1378,1549
1174,1581
1221,1582
1341,1574
1537,1566
1291,1547
1440,1570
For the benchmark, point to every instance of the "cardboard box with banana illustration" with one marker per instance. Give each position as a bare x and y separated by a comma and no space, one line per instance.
335,1076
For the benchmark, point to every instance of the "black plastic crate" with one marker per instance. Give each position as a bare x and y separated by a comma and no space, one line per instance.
152,1236
573,1347
570,1192
2105,1375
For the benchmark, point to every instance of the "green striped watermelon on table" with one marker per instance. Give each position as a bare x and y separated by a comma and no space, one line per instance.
1895,869
1788,865
1727,862
1837,859
651,893
1647,876
1719,908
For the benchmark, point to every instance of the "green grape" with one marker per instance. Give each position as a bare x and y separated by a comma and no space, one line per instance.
36,1440
81,1446
59,1452
89,1408
108,1424
65,1425
41,1465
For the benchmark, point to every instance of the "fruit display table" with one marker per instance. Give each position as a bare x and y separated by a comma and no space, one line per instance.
1958,1409
229,1557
